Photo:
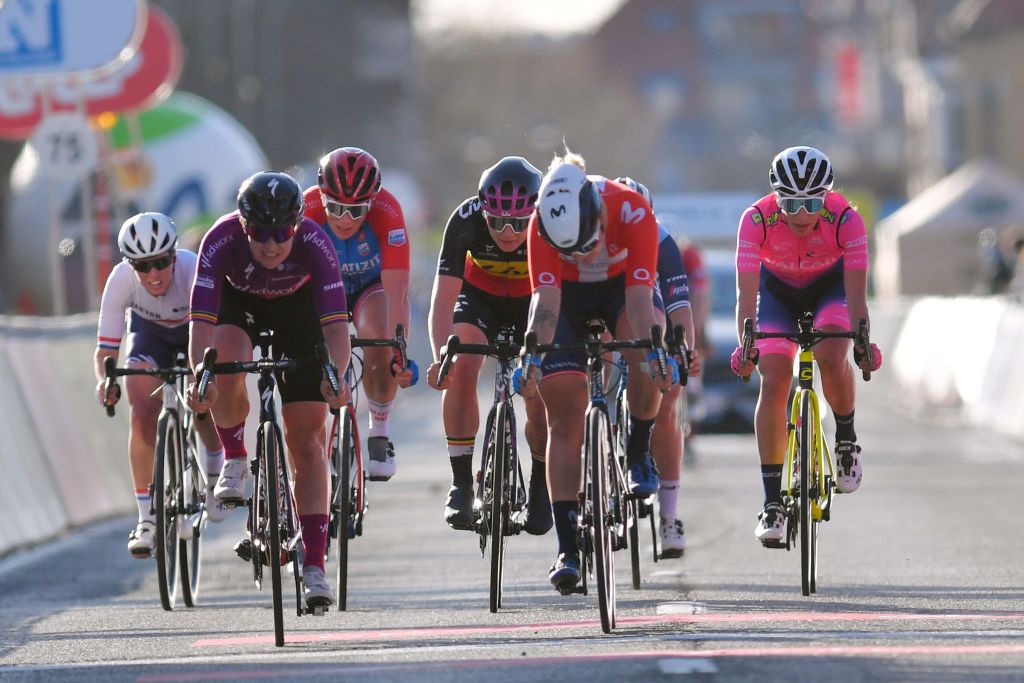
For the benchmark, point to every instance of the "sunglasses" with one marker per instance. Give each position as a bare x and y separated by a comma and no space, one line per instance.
589,246
160,262
261,235
499,223
355,211
793,205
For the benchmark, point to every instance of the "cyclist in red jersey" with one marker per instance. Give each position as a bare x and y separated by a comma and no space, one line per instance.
366,225
592,249
482,284
266,265
813,248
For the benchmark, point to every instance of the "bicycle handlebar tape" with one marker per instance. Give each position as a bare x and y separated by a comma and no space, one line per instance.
862,334
400,338
323,355
659,349
108,370
209,360
748,342
679,334
448,352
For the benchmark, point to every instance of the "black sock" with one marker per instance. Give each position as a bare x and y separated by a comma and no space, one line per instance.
538,472
639,439
565,512
462,470
771,479
844,427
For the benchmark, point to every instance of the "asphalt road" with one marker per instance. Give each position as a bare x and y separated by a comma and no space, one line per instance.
920,580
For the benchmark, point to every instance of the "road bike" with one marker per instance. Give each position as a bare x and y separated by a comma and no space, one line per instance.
275,537
349,502
179,484
808,475
646,507
499,507
605,516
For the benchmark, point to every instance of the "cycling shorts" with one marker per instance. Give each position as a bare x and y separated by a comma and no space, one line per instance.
780,306
581,303
490,313
357,298
297,330
154,344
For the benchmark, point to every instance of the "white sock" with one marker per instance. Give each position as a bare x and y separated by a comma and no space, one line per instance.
142,499
668,498
379,415
214,463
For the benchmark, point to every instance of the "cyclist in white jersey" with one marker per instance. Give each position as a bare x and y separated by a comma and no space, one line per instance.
152,285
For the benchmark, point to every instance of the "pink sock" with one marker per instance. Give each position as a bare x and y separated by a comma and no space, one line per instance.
314,539
233,439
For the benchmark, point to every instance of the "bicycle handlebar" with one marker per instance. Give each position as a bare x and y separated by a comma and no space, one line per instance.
111,372
676,345
594,347
806,337
454,346
323,355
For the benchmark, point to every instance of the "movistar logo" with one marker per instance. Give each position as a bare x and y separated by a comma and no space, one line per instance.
555,213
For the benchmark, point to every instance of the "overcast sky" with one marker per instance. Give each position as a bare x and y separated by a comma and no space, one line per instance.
556,17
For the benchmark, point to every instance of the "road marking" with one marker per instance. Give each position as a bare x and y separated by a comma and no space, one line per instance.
695,665
743,617
681,608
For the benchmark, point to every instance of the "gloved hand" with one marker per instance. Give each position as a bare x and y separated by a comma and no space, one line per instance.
743,369
860,357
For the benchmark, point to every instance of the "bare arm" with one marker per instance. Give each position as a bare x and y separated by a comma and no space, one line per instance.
856,282
640,310
98,360
442,310
545,305
684,316
746,299
396,292
200,336
336,337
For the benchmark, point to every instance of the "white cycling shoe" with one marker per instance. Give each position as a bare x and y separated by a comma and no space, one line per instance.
315,588
381,464
673,538
231,484
140,540
216,511
771,524
848,468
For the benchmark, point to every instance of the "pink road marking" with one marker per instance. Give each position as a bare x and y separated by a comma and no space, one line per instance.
348,670
741,617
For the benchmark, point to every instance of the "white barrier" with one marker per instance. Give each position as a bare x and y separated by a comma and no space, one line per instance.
965,353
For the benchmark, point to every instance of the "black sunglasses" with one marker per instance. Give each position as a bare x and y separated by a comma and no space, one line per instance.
261,235
160,262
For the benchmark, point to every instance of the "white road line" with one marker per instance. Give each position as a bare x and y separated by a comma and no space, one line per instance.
687,666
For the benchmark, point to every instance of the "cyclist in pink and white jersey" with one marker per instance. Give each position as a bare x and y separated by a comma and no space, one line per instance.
813,248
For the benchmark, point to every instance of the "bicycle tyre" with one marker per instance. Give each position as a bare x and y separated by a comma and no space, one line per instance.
346,500
604,564
272,536
501,506
634,541
806,513
165,496
190,551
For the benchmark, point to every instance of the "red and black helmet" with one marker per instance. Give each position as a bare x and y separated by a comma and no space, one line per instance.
349,175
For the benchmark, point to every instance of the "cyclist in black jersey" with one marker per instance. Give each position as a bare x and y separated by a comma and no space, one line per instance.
483,284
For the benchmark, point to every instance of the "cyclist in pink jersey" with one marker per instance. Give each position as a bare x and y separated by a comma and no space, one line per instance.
813,248
592,251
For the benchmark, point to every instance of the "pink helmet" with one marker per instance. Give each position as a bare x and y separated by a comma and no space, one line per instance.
349,175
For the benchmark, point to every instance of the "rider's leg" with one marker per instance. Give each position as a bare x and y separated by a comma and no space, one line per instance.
837,381
770,420
667,450
144,409
461,417
378,382
568,391
231,410
305,433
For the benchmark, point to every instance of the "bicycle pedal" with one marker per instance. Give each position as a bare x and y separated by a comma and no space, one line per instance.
232,503
244,549
777,545
316,609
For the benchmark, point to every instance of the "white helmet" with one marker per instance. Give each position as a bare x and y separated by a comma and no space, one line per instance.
147,234
568,210
800,172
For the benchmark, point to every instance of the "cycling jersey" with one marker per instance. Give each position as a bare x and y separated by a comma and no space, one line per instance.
693,264
225,257
672,278
799,261
124,292
630,245
380,243
468,252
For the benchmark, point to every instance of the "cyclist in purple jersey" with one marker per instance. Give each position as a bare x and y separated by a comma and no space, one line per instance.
266,266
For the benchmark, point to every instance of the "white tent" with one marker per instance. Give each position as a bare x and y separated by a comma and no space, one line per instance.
930,245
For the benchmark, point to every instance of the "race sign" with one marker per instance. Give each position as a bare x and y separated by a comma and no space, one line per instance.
40,39
66,146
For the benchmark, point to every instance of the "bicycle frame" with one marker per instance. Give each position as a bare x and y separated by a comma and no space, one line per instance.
823,469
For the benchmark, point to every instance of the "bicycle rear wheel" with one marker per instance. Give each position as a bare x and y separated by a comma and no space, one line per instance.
270,532
806,513
598,448
500,505
347,498
190,551
166,492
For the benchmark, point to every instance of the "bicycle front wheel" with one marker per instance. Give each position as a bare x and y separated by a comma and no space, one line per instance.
270,465
190,550
599,451
501,506
166,491
808,433
347,498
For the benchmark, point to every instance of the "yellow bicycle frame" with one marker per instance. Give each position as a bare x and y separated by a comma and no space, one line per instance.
822,468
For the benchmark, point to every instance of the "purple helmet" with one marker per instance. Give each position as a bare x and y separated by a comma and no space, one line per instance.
509,188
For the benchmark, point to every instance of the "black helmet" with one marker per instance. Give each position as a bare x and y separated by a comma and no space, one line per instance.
270,199
509,188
